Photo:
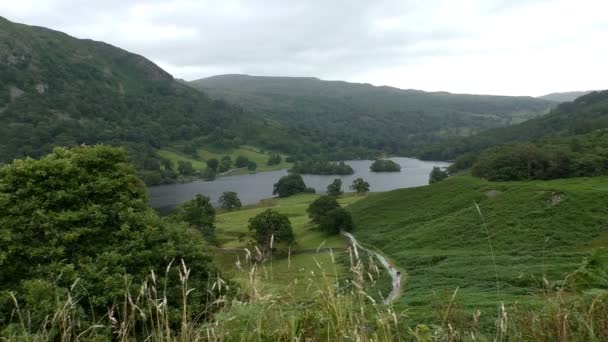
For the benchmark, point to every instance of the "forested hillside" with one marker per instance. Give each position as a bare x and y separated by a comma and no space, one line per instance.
344,116
564,97
584,115
56,90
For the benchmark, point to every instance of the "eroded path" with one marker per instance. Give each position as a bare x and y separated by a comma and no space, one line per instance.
392,270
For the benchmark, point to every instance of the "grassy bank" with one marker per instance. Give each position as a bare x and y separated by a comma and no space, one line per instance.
288,275
525,237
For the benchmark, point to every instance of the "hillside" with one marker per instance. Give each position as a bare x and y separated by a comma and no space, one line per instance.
59,90
564,97
343,116
584,115
539,229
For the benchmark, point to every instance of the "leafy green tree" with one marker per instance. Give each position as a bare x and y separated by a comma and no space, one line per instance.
82,214
320,207
289,185
199,214
270,228
274,159
437,175
166,163
241,162
185,168
230,200
208,174
225,164
360,186
213,164
335,188
337,220
251,166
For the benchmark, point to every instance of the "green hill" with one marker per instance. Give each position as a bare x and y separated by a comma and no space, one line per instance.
59,90
586,114
350,118
538,229
564,97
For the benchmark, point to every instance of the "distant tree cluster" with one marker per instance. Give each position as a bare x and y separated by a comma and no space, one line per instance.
322,168
577,156
385,165
274,159
290,185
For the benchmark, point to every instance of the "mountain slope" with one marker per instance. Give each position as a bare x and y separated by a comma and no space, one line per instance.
341,114
59,90
564,97
585,114
537,230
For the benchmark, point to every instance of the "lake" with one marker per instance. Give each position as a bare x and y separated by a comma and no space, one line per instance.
251,188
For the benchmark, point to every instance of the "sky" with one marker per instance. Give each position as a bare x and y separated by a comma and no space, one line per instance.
503,47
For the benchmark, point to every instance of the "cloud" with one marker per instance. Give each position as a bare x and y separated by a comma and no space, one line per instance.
475,46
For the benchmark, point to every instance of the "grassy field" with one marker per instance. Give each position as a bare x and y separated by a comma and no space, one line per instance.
523,231
252,153
287,275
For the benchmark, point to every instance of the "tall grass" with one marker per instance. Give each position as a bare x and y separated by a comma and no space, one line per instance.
333,311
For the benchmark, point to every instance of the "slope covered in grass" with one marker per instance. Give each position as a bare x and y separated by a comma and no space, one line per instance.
437,234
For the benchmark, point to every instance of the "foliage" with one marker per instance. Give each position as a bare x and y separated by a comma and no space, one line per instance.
385,165
271,228
320,207
437,175
80,216
539,231
335,188
251,166
225,164
241,161
360,186
230,201
337,220
322,168
200,215
185,168
289,185
213,164
274,159
341,121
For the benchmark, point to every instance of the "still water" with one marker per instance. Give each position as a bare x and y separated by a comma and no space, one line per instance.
251,188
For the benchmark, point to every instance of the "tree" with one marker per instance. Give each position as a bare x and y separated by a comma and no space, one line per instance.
337,220
437,175
241,162
289,185
166,163
82,213
320,207
185,168
199,214
225,164
251,166
270,228
274,159
208,174
213,164
360,186
230,201
335,188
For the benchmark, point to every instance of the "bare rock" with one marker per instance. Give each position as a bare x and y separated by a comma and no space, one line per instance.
15,92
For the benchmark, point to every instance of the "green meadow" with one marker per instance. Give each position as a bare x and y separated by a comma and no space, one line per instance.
475,244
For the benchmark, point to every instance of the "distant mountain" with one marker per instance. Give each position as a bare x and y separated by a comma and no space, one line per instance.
564,97
58,90
342,115
583,115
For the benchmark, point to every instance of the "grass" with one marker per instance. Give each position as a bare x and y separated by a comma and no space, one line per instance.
252,153
538,230
286,275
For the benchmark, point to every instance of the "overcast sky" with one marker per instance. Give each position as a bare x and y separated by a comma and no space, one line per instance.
510,47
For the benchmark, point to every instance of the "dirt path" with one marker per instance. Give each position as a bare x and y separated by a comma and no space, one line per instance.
394,272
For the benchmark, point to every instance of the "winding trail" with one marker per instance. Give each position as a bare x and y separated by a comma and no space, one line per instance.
395,274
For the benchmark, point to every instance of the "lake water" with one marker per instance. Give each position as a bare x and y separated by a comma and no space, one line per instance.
251,188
